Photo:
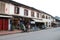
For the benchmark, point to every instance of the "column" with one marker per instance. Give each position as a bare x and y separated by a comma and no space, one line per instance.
9,25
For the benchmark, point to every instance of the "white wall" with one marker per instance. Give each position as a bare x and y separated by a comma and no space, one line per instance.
9,8
40,16
21,11
29,13
35,14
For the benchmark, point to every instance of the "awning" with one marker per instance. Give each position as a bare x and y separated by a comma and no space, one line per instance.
53,23
37,20
5,16
32,22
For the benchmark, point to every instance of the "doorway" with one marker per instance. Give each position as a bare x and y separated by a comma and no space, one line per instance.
3,24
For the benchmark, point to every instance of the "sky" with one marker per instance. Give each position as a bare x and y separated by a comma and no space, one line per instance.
51,7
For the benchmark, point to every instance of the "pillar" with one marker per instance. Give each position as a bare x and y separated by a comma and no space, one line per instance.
9,25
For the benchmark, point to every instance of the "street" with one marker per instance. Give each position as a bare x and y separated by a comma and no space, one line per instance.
49,34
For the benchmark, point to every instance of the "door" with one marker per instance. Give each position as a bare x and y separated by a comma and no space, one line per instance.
5,24
1,26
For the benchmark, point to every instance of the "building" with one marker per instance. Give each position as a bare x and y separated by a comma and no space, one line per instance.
56,17
13,13
57,21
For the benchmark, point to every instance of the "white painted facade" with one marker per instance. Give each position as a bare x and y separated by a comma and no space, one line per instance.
9,9
21,11
7,6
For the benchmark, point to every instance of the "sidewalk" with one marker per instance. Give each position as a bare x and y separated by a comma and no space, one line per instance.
13,32
49,27
9,32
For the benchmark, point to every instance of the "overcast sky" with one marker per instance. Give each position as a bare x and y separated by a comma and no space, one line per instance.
51,7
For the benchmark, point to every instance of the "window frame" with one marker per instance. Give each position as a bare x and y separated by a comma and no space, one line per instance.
32,14
16,10
25,12
37,15
43,16
46,17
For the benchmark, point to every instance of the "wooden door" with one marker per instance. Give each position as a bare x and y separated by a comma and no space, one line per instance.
5,24
1,26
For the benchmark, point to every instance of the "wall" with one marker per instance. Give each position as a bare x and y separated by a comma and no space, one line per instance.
7,6
21,11
10,10
2,7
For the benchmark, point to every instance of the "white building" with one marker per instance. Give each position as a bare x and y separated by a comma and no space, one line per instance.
11,10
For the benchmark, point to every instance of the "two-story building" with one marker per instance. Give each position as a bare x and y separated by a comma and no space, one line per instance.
13,13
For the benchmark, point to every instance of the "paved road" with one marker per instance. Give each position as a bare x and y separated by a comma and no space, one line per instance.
50,34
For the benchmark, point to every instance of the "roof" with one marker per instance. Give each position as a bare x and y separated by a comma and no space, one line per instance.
25,6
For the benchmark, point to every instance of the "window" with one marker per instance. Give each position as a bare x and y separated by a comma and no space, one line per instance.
43,16
32,13
16,10
25,12
38,15
46,17
49,17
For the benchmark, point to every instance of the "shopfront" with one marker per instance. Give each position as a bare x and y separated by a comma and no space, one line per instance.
15,23
37,24
20,23
23,23
40,25
4,22
53,24
26,23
